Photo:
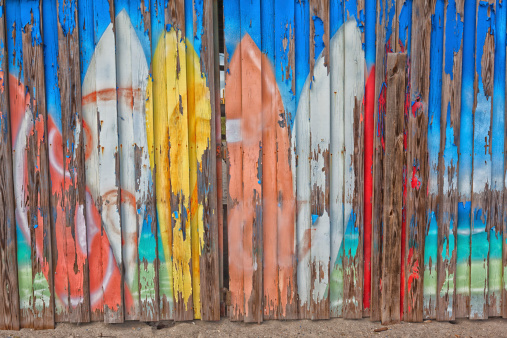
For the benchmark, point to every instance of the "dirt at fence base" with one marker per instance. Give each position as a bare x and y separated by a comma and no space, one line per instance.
225,328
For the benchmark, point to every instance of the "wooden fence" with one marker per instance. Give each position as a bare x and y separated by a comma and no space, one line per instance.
365,157
365,145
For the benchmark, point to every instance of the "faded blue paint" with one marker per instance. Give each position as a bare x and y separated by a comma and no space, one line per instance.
453,36
434,115
66,16
284,34
250,13
232,29
369,33
268,30
86,45
318,37
405,25
386,15
101,18
51,65
302,32
30,14
336,12
466,148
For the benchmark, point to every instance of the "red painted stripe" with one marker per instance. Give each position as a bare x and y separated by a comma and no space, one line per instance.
369,96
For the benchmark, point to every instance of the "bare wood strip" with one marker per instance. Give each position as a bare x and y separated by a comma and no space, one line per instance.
9,295
393,186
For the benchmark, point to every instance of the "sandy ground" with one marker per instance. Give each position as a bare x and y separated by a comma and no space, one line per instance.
226,328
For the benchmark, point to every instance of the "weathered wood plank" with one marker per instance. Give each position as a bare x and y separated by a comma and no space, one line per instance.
434,208
282,122
251,108
161,160
270,111
233,99
210,190
354,77
125,62
393,188
9,294
145,206
32,190
481,170
384,39
320,138
417,167
448,160
176,87
303,157
465,164
369,103
337,155
63,96
102,160
495,271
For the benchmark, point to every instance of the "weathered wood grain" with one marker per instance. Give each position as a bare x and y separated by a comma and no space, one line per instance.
448,161
383,46
337,155
354,87
177,110
9,294
71,261
417,166
270,281
161,160
393,187
282,123
481,170
37,163
495,269
434,209
209,184
251,108
320,138
303,158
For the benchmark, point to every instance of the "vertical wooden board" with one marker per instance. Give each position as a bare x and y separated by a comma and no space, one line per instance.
161,159
234,137
354,78
145,206
393,188
384,38
433,207
9,294
337,157
89,105
481,170
209,186
303,156
417,169
497,165
320,138
251,109
192,14
98,76
220,169
448,160
31,166
176,86
125,41
270,28
404,30
66,159
465,164
108,157
282,123
369,103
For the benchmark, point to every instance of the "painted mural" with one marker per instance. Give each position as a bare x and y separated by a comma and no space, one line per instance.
105,99
313,90
365,151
